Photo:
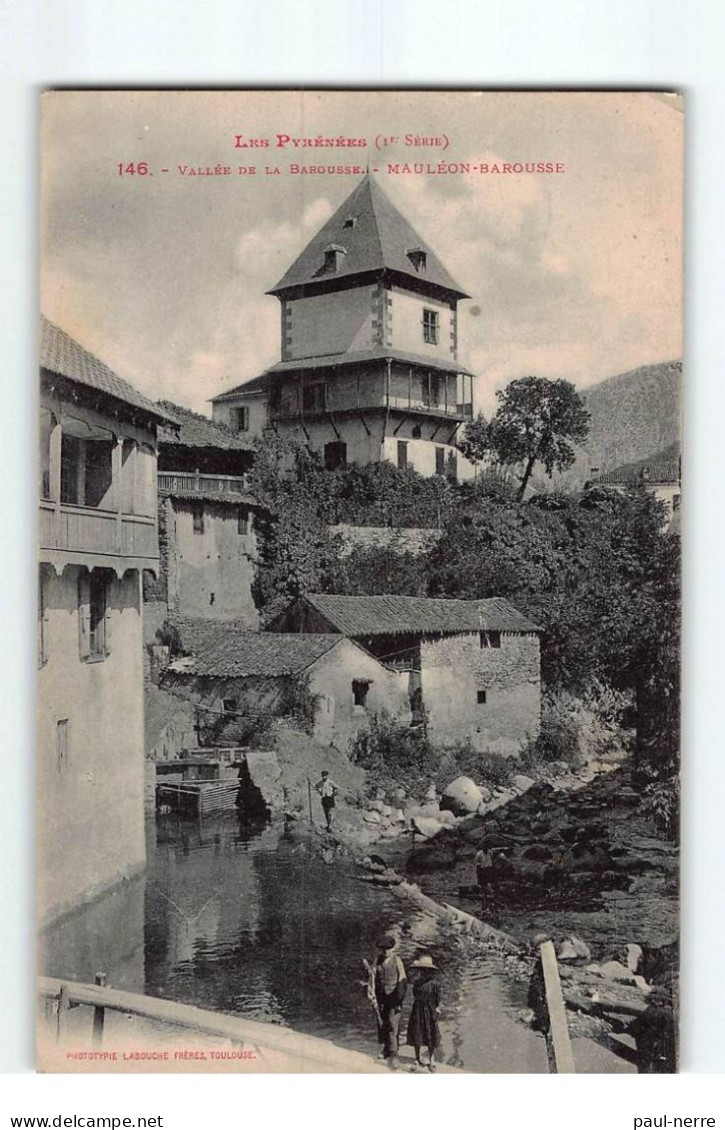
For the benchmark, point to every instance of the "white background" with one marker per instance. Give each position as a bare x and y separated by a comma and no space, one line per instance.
665,44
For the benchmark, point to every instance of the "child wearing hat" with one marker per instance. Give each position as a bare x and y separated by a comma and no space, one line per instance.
423,1029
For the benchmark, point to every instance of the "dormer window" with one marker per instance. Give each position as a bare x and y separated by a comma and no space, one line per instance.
419,259
350,222
334,258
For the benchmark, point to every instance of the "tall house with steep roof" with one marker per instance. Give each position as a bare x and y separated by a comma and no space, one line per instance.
369,368
97,535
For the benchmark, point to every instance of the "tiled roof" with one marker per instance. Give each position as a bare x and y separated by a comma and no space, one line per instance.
224,650
198,431
375,236
231,496
252,387
416,615
380,353
59,353
664,467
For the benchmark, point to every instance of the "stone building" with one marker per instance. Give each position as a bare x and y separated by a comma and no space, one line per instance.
470,668
97,534
207,537
228,669
660,474
370,367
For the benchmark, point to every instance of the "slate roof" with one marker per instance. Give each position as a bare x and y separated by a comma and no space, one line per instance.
379,240
236,498
195,430
329,360
417,615
225,650
59,353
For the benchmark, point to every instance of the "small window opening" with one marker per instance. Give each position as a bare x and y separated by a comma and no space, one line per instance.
430,327
198,519
334,257
440,461
480,697
416,432
243,520
490,639
350,222
240,418
360,688
211,597
229,705
335,455
61,744
402,454
419,259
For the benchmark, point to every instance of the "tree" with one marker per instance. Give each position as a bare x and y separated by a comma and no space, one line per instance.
537,421
475,443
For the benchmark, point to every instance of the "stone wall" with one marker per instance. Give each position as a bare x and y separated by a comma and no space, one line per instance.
454,669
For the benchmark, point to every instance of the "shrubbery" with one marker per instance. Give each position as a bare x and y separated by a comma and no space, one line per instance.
661,805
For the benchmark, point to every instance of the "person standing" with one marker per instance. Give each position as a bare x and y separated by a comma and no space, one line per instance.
391,983
423,1028
328,790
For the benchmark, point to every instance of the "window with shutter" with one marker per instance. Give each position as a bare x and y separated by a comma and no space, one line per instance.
93,615
84,614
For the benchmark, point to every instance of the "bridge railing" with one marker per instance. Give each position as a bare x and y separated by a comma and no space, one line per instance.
279,1047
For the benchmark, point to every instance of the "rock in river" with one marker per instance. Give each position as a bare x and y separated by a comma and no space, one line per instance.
461,797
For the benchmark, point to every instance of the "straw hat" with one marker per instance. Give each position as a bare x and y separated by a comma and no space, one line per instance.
425,962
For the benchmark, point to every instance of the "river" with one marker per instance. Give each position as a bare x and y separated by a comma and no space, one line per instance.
243,920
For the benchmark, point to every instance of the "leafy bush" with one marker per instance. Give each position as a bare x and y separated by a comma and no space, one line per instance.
558,740
297,703
489,769
661,805
168,635
394,753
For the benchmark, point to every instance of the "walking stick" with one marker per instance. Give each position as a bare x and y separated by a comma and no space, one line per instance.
372,996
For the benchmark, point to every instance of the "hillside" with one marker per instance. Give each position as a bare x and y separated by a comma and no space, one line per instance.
634,416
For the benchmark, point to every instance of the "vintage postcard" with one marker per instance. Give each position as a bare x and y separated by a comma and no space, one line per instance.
359,581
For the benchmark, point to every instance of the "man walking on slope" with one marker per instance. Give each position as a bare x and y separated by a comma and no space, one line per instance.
327,790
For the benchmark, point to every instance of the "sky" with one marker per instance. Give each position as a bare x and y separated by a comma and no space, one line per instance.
575,275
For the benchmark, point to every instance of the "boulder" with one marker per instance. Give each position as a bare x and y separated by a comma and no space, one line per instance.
399,794
461,797
486,794
386,810
378,805
431,793
446,817
573,949
615,971
372,817
398,816
427,826
522,783
634,957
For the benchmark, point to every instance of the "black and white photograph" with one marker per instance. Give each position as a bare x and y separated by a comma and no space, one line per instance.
359,611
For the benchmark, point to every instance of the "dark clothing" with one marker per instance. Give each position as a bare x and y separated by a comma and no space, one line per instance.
328,802
656,1039
389,1030
423,1029
391,985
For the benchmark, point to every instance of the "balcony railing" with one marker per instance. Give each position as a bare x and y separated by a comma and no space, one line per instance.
339,402
183,482
85,530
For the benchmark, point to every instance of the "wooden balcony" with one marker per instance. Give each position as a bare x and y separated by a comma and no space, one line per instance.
82,534
340,402
191,482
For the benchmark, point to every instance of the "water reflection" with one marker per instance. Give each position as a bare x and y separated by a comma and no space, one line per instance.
245,919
